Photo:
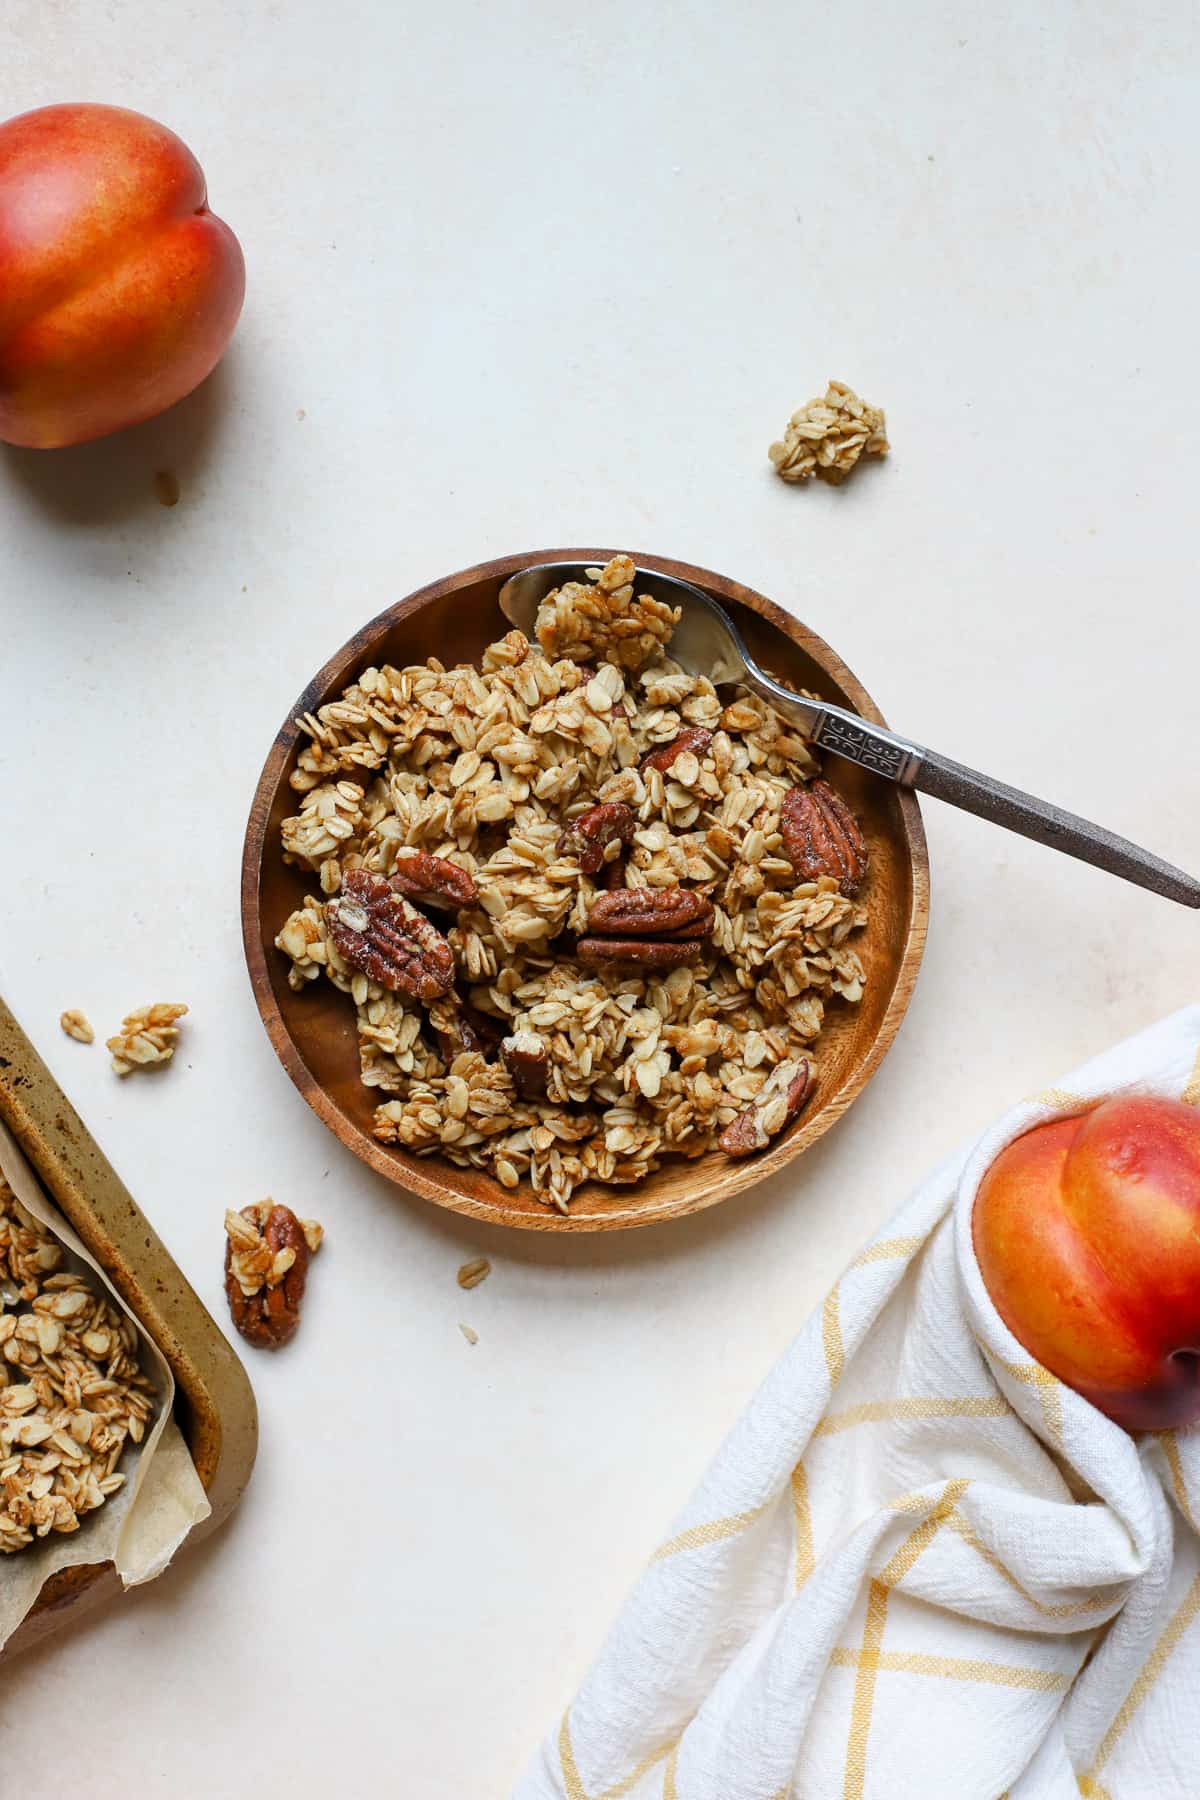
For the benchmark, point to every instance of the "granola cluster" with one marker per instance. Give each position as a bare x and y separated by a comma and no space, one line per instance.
71,1392
587,622
827,436
267,1253
147,1037
632,951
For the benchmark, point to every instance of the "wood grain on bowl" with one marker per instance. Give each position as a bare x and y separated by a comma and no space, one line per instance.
314,1031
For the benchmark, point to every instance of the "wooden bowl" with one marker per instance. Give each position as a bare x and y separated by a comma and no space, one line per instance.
314,1031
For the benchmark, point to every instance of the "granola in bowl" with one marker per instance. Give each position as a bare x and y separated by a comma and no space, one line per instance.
585,912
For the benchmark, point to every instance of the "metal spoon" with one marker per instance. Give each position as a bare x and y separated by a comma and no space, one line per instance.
706,642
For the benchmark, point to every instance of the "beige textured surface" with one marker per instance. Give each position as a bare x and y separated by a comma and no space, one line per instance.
504,329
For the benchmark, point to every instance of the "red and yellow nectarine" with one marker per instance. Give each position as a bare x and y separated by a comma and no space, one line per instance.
119,290
1087,1233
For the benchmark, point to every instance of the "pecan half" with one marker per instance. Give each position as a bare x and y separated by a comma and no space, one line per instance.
775,1105
588,836
376,930
636,953
696,739
821,836
433,880
527,1060
651,912
269,1316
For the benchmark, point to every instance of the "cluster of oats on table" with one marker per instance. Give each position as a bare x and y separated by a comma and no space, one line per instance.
588,915
71,1391
826,436
146,1040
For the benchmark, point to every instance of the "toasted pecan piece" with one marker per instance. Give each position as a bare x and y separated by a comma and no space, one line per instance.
467,1029
433,880
267,1251
637,953
651,912
527,1060
821,836
377,931
696,738
588,836
776,1104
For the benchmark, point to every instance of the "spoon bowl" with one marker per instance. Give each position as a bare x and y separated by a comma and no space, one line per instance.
705,641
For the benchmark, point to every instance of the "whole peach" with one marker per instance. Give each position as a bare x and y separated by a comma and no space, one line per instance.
1087,1233
119,290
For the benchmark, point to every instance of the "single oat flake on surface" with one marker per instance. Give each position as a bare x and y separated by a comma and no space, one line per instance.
77,1025
147,1037
827,436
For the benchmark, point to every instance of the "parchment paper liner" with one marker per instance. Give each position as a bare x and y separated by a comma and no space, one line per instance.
143,1524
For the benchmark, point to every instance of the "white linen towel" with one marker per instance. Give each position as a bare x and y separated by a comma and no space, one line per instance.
920,1568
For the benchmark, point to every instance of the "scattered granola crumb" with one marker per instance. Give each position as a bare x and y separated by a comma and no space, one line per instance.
472,1337
77,1025
146,1037
472,1273
266,1269
827,436
166,487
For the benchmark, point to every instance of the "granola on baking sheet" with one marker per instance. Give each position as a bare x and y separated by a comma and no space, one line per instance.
71,1392
622,951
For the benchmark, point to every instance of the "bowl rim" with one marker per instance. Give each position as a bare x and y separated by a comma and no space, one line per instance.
416,1174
